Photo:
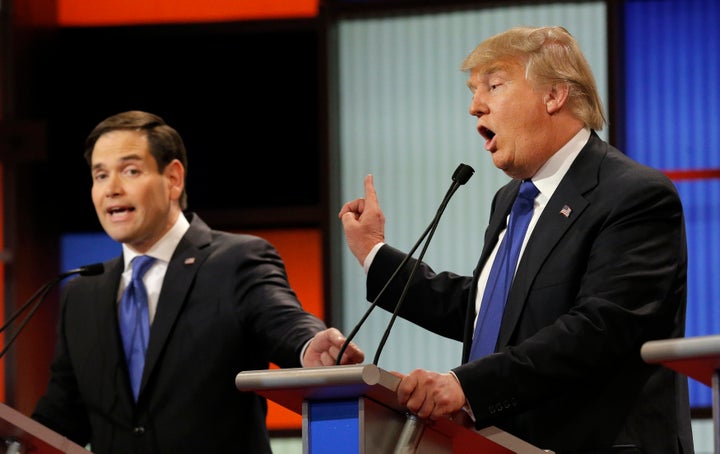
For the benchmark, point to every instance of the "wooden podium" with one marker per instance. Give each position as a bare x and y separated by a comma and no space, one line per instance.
354,410
21,435
698,358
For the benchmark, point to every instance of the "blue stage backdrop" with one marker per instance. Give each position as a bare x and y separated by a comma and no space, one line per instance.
672,122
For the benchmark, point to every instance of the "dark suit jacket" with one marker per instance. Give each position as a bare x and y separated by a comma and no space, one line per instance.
590,289
225,306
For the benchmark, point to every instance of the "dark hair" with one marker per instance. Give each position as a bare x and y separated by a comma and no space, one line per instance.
164,142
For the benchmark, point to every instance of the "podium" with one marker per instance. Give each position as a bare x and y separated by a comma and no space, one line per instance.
353,409
20,434
698,358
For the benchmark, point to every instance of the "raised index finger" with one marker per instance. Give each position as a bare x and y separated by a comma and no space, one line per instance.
370,194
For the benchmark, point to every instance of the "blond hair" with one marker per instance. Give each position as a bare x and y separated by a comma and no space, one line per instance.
550,56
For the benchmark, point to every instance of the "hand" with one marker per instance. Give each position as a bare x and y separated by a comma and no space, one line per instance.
325,347
363,222
430,395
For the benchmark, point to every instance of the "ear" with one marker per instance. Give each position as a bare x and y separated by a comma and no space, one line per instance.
556,97
175,175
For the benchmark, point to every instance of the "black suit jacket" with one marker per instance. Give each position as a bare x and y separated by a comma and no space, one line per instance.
225,306
590,289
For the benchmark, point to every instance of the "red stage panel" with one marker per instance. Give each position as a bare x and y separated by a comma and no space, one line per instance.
124,12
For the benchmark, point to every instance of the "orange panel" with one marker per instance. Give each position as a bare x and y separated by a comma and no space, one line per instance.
301,250
123,12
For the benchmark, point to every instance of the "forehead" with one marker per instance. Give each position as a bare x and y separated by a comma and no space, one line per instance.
120,143
507,68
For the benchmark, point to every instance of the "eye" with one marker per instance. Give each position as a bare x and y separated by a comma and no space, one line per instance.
132,170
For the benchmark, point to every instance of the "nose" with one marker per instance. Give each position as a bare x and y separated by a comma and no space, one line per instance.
113,185
477,106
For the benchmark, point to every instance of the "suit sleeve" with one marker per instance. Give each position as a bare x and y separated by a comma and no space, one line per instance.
271,307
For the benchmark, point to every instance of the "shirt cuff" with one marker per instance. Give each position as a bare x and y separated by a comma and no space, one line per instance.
466,408
371,256
302,352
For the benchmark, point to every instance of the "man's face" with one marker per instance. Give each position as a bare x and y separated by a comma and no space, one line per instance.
512,117
135,204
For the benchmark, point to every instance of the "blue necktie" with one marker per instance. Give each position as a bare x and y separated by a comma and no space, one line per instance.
502,272
134,321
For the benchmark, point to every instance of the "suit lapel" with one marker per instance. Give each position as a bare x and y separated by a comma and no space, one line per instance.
184,265
108,310
551,227
102,313
498,221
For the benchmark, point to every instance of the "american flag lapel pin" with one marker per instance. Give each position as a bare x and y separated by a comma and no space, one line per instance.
565,211
190,260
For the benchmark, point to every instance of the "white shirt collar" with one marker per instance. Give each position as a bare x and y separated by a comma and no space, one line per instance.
165,247
548,178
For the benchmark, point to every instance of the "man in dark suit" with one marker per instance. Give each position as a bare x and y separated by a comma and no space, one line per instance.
217,304
602,269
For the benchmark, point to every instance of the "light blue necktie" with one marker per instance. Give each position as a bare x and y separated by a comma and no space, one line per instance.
134,321
502,272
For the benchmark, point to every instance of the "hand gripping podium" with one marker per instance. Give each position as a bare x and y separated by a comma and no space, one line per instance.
354,410
698,358
20,434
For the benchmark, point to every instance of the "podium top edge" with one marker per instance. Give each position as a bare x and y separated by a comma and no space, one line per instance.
362,374
664,350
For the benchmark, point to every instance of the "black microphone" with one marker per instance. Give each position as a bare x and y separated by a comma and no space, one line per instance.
87,270
42,292
461,175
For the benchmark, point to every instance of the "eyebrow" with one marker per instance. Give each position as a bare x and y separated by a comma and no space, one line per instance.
126,158
489,70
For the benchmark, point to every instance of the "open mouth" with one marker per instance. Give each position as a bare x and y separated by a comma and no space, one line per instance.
488,134
119,210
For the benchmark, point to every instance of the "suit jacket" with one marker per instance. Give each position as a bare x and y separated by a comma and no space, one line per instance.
590,289
225,306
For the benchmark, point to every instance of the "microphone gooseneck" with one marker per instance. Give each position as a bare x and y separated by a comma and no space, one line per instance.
461,175
40,294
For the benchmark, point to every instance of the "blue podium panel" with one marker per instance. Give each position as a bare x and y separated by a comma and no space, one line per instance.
333,427
354,410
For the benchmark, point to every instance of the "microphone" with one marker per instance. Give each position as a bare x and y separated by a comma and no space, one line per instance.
87,270
461,176
42,292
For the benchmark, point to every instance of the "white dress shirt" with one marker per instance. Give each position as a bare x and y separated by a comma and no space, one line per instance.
162,252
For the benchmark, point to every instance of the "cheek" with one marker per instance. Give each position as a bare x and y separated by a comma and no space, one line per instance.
156,195
96,195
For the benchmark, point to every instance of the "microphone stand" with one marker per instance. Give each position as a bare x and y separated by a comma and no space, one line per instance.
42,292
410,436
40,295
461,175
431,228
